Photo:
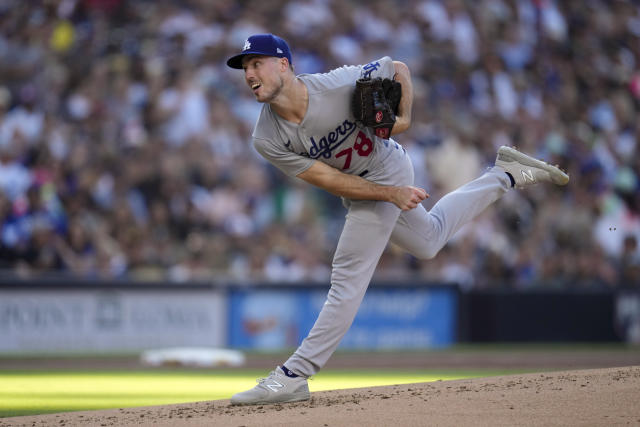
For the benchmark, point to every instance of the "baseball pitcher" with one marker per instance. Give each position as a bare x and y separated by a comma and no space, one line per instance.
333,130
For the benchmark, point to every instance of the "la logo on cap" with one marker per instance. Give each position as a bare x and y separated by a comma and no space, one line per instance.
247,45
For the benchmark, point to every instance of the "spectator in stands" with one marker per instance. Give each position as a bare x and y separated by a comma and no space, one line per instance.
122,155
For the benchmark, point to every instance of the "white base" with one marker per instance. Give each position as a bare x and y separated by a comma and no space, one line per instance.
193,356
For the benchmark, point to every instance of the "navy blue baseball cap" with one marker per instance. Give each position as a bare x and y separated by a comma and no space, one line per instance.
261,44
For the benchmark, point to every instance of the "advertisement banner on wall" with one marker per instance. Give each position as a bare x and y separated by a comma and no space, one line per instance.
388,318
110,320
627,317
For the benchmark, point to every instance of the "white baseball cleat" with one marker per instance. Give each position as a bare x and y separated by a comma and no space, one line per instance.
527,170
276,388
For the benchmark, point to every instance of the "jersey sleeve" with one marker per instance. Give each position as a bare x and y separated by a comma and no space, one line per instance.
348,74
382,68
287,161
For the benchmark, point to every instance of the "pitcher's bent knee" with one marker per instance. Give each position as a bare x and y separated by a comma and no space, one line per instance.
427,252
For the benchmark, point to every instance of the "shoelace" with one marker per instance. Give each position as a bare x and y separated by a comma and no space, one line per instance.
261,380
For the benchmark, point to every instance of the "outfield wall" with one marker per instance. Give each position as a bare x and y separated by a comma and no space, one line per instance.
390,317
89,316
542,316
109,319
86,317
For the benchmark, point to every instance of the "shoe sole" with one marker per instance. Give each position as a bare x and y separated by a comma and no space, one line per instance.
270,402
557,176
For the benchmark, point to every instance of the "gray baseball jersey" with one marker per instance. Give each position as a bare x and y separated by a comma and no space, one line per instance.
328,132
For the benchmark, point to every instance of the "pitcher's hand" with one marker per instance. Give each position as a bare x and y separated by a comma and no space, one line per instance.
408,197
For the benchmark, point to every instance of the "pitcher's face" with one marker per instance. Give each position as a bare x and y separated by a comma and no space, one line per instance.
263,74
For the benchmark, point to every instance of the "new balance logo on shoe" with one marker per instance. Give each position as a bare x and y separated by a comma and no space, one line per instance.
526,170
528,175
275,386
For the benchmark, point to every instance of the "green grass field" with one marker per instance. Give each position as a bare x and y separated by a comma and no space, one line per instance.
38,392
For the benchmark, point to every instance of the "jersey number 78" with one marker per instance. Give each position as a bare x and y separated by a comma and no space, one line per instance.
363,147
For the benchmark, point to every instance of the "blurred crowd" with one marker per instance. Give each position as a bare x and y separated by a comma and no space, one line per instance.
125,140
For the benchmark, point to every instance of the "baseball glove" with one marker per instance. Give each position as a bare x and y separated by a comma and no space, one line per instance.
375,104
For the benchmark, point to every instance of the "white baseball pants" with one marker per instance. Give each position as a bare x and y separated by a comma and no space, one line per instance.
369,226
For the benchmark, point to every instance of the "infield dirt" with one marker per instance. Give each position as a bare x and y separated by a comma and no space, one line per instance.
604,396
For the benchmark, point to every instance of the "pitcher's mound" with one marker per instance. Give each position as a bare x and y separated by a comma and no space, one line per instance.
568,398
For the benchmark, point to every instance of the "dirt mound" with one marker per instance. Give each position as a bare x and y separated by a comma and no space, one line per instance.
585,397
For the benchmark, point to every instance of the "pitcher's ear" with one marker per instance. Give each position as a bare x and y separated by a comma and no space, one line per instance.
284,62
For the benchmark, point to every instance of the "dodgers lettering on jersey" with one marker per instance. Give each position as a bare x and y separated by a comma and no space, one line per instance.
327,144
328,132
